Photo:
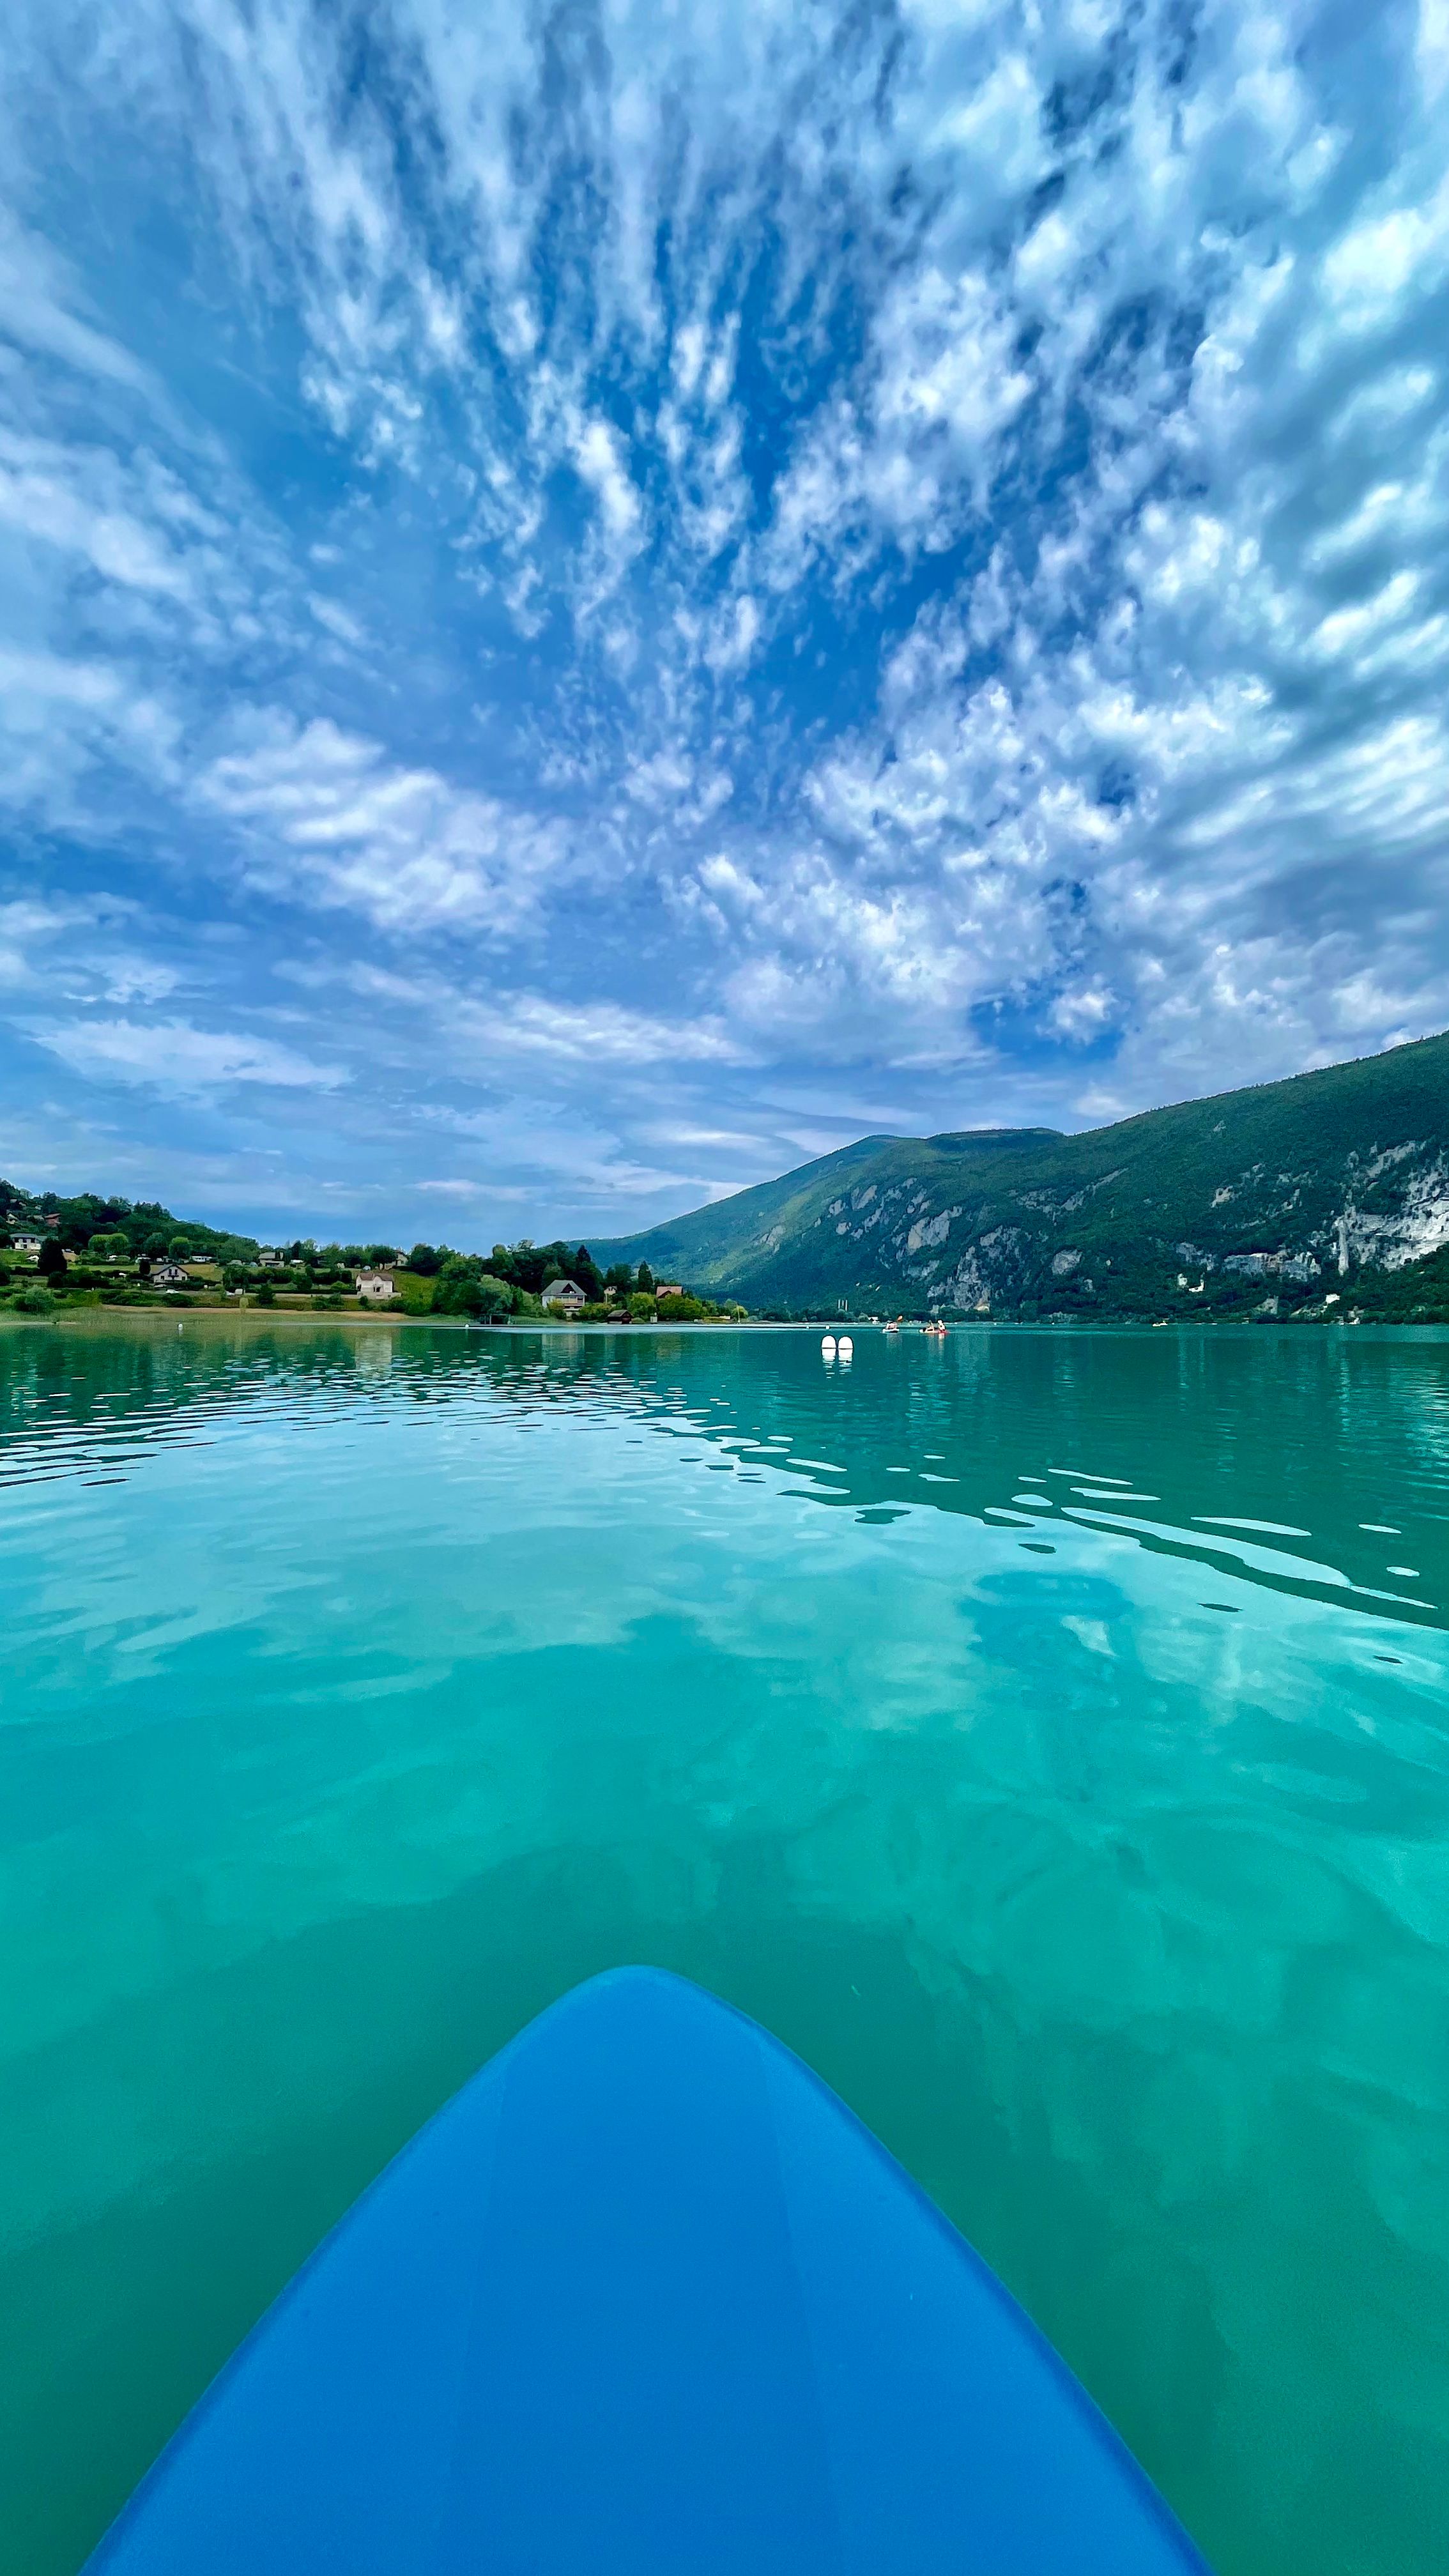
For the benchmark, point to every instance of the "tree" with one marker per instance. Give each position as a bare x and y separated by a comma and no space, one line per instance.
619,1276
465,1288
588,1274
52,1263
646,1280
425,1260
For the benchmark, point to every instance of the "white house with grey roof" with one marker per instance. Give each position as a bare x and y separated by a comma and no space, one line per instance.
565,1294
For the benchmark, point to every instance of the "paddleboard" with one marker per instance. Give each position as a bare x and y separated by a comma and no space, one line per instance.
645,2299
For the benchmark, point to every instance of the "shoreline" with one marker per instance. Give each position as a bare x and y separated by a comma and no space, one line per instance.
253,1318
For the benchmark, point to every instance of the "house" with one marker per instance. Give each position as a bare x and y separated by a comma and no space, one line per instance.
269,1259
566,1294
668,1288
375,1285
170,1274
28,1243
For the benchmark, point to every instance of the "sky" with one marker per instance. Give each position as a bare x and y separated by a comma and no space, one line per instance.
596,600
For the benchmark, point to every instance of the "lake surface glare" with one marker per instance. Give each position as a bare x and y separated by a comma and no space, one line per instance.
1043,1732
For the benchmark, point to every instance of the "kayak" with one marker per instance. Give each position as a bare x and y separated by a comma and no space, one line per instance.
644,2299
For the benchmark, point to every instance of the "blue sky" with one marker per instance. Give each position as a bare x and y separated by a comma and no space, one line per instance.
596,600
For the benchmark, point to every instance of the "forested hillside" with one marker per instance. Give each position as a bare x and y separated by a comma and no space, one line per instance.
135,1226
1327,1192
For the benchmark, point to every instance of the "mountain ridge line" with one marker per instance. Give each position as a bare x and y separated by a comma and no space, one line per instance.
1305,1188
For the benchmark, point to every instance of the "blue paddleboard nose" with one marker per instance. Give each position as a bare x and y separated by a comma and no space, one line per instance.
645,2300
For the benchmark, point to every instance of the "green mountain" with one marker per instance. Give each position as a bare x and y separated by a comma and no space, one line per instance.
1328,1193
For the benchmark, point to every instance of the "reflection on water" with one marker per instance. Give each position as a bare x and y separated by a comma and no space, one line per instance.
1325,1425
1043,1732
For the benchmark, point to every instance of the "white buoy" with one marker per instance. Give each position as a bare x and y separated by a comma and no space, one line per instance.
845,1347
827,1347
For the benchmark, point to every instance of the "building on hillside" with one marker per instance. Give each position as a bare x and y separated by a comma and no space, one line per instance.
669,1288
566,1294
170,1274
28,1244
375,1285
269,1259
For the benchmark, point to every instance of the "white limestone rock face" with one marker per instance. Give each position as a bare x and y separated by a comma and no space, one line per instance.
930,1229
992,1269
1391,1237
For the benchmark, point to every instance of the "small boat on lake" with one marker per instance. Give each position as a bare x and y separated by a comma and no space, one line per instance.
845,1348
827,1347
644,2299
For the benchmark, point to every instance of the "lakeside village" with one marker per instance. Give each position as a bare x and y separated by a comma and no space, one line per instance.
63,1253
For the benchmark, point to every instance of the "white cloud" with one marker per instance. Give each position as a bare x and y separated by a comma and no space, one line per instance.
173,1056
38,300
330,613
912,455
327,819
46,679
125,978
43,500
603,1035
474,1027
597,457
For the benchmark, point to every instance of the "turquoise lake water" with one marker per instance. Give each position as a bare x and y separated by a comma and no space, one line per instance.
1043,1732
